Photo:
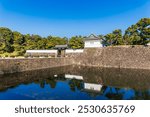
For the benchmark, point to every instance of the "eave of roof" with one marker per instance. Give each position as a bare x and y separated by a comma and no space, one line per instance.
91,37
61,47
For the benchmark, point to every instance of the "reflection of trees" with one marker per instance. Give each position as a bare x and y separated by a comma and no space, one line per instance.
74,83
93,94
51,82
116,94
109,77
42,83
3,90
36,81
108,92
113,93
141,95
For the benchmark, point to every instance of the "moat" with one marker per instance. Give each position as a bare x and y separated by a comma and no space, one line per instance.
76,83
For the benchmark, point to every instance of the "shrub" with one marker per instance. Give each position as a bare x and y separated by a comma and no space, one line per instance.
13,56
26,55
6,55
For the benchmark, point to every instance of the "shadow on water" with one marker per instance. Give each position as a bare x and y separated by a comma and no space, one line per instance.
77,82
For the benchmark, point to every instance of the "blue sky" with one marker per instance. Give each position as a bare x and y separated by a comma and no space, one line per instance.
71,17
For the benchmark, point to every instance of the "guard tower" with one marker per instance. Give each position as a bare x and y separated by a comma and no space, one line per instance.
92,42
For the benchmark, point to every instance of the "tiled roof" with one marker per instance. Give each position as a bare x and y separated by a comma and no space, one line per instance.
92,37
61,46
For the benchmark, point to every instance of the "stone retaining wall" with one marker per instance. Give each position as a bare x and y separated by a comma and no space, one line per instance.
137,57
27,64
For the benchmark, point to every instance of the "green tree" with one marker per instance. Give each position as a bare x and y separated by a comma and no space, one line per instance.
58,41
42,43
76,42
114,38
35,40
31,41
138,34
108,39
51,42
6,40
18,43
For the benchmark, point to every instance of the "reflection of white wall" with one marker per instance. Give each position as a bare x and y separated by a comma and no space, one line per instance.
42,51
74,51
68,76
92,43
148,44
94,87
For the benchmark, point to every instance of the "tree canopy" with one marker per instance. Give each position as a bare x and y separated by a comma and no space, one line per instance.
76,42
15,42
137,34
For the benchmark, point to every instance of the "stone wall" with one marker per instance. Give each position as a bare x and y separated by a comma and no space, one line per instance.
137,57
28,64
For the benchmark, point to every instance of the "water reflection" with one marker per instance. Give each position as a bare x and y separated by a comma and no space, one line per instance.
76,82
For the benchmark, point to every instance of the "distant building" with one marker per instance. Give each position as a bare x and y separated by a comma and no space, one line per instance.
61,47
92,87
69,76
92,42
41,53
148,44
61,50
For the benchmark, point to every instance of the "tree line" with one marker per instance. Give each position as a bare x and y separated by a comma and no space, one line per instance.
137,34
16,43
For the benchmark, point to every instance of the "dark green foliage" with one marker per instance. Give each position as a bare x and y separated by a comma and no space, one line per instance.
8,48
17,43
138,34
114,38
52,41
6,40
76,42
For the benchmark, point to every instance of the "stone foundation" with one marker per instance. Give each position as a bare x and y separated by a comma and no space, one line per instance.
136,57
28,64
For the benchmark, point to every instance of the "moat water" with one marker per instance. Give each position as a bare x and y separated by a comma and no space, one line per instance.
76,83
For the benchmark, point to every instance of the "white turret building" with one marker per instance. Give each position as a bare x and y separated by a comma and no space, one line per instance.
92,42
